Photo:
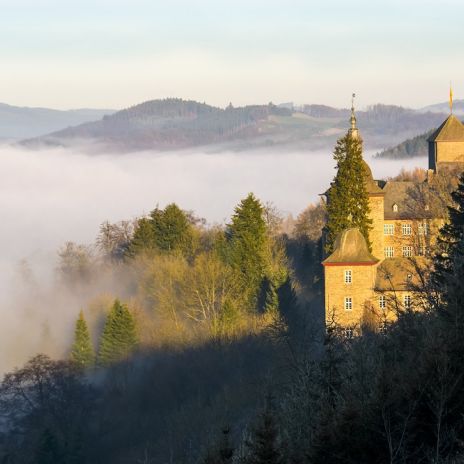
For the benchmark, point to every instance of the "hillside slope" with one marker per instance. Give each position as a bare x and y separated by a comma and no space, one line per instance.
23,122
177,124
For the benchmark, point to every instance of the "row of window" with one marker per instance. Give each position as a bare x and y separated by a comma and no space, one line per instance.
407,302
406,229
407,251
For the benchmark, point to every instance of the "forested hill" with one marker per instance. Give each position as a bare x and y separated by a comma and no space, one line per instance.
176,124
19,122
413,147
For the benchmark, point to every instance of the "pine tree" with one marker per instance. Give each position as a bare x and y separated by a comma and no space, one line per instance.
119,338
246,249
172,229
48,450
82,352
448,275
348,201
143,239
263,446
223,452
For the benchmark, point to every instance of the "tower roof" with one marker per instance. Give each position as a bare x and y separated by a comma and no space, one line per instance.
451,130
351,247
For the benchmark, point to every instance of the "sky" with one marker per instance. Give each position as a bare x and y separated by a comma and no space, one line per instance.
116,53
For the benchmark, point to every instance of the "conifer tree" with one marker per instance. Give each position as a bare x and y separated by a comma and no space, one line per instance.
263,446
348,201
48,450
143,239
119,338
246,248
82,352
448,275
172,229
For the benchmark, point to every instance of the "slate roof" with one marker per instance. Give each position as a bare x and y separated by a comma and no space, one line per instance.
451,130
399,274
415,200
351,247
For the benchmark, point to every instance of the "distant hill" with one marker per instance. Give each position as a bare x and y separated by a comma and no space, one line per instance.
458,108
176,124
410,148
22,122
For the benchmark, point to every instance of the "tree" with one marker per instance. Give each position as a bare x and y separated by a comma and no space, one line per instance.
119,338
48,450
143,239
221,453
247,245
82,352
263,446
348,201
172,229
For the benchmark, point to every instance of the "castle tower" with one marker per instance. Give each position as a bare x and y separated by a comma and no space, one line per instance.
446,144
349,279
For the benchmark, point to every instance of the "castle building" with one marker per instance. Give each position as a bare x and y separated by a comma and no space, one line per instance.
363,286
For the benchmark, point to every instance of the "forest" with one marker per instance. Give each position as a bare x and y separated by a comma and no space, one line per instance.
207,344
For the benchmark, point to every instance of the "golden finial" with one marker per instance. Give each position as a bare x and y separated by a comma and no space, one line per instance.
353,129
451,99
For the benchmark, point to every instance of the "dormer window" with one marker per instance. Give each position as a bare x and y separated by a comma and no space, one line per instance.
395,208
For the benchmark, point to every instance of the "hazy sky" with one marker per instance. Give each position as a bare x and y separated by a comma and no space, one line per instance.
115,53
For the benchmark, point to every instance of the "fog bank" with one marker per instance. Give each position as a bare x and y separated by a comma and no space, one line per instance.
48,197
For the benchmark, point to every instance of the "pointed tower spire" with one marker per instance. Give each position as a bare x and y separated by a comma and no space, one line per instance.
353,131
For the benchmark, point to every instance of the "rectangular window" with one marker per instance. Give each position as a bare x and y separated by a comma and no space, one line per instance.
383,326
423,229
348,332
348,277
407,251
388,229
424,250
389,252
406,229
348,303
382,302
407,301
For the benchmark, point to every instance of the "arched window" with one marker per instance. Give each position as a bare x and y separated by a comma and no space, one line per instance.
395,208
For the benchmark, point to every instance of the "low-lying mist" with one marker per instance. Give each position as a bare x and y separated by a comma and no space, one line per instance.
52,196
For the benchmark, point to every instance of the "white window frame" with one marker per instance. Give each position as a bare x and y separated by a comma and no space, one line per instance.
348,332
382,302
424,250
348,276
407,301
389,252
423,228
407,251
406,229
348,303
395,208
389,229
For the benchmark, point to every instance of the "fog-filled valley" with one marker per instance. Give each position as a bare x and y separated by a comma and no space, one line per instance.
50,197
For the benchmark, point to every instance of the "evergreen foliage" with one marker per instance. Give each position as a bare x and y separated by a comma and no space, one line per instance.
263,446
166,230
247,245
82,352
119,338
48,451
143,239
449,261
348,201
172,229
223,452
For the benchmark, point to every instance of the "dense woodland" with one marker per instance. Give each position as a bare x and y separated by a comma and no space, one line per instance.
174,123
207,345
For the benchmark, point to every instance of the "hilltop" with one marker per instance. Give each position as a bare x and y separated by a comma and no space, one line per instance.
178,124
